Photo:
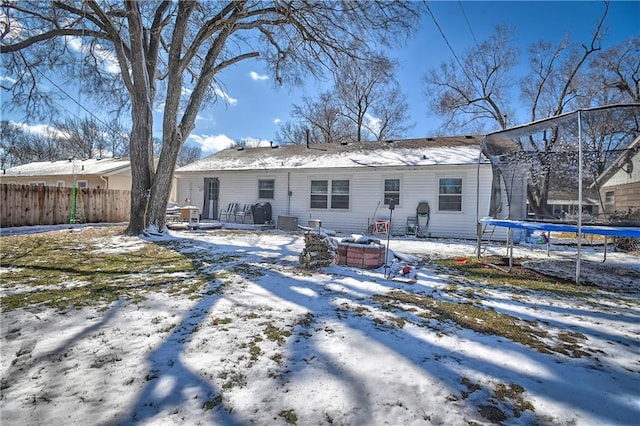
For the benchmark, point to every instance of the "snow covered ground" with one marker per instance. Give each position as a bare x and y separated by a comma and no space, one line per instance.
270,343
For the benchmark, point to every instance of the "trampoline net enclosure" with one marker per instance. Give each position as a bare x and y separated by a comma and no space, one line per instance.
579,167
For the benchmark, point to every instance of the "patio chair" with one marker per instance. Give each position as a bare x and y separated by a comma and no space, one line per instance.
246,211
230,212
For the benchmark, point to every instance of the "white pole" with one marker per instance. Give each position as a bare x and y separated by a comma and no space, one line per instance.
579,258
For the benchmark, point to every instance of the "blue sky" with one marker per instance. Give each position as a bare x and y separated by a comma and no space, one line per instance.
256,107
259,107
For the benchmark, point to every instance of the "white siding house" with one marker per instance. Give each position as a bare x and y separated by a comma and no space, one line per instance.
348,187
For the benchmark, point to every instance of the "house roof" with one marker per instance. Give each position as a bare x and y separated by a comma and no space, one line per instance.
406,152
100,167
632,150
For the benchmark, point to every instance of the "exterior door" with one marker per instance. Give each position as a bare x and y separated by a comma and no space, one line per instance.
211,193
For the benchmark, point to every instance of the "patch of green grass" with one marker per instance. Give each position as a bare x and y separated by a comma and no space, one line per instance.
232,379
522,279
481,320
68,269
247,270
512,394
275,334
289,416
212,403
220,321
471,387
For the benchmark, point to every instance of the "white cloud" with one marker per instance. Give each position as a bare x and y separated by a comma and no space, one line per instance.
258,77
228,99
212,143
41,129
7,79
107,59
15,29
373,123
276,121
255,143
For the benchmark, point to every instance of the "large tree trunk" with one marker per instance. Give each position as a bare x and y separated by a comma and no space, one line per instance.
141,157
163,180
141,145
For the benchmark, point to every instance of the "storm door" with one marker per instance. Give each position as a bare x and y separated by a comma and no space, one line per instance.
211,193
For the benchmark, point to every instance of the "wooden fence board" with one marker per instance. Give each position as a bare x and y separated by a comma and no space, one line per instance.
24,205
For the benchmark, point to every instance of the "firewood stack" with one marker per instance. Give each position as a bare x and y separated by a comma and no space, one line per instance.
319,250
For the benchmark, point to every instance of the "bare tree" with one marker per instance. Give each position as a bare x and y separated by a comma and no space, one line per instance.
10,133
290,133
19,146
188,154
619,68
81,137
322,119
389,115
364,86
155,50
473,92
364,103
553,87
117,136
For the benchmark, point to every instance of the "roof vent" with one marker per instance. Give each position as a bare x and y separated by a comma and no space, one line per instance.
389,141
240,148
424,157
431,139
468,137
343,143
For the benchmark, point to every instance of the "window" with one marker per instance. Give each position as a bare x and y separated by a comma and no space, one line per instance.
266,188
450,195
319,194
391,191
339,194
82,184
609,201
60,184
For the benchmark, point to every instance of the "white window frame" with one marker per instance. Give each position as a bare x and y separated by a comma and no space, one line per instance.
273,189
329,194
459,195
385,200
38,183
82,184
61,184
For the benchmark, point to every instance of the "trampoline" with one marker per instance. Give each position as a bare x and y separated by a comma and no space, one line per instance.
555,175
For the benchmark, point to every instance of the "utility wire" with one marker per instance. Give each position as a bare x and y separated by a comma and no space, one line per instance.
57,86
435,21
468,24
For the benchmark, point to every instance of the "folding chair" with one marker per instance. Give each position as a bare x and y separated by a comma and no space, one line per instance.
246,211
230,212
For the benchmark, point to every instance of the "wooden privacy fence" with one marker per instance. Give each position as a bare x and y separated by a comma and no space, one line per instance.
23,205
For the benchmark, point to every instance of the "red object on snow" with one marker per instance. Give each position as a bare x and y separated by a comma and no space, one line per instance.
406,270
462,260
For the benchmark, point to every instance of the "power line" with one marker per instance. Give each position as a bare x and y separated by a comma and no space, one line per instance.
435,21
71,97
468,24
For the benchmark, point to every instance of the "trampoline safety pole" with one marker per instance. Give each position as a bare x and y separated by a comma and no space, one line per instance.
580,154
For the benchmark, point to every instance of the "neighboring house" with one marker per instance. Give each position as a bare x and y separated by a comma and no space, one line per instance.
564,204
619,184
106,173
347,187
